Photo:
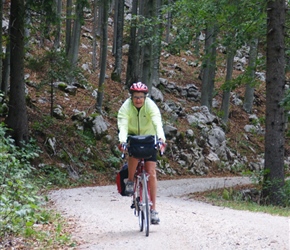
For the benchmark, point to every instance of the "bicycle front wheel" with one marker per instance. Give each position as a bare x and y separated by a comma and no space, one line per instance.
145,201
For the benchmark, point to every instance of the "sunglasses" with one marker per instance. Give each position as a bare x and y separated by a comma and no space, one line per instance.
138,97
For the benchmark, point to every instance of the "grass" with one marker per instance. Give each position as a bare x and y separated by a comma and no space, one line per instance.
233,198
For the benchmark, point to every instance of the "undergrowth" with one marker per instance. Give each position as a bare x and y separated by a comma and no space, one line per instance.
22,210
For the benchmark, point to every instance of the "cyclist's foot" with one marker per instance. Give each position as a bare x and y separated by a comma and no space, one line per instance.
154,217
129,188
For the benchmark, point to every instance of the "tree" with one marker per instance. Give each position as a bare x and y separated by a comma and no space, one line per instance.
118,38
275,85
209,65
58,10
95,21
68,25
147,48
17,114
133,55
249,93
104,52
227,85
76,33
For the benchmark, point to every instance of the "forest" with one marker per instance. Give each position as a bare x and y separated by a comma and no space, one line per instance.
66,67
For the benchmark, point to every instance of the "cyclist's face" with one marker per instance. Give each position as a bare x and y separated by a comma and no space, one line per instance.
138,99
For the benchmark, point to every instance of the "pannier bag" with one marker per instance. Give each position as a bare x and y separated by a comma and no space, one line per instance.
142,146
121,179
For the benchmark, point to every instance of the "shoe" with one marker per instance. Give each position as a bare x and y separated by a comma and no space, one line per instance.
129,188
154,217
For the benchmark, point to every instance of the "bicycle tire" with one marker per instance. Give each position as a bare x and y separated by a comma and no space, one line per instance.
145,201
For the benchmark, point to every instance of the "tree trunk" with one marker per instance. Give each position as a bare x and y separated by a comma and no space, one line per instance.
227,86
119,22
68,26
249,93
209,67
104,45
95,21
75,41
275,86
17,114
148,48
168,24
6,68
133,55
157,45
58,25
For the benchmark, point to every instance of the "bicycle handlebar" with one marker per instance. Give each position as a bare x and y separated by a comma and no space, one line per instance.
158,146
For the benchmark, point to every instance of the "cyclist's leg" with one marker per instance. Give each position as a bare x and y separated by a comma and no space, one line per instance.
132,165
150,167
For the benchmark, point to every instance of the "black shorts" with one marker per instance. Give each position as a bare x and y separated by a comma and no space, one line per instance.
153,158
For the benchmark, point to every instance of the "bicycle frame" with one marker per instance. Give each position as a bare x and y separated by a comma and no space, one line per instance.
141,197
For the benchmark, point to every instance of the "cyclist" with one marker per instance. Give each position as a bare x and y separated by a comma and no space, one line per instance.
139,115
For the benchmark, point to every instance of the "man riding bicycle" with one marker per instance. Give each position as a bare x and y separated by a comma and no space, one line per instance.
139,115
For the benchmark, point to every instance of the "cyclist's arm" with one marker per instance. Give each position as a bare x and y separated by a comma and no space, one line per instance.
123,123
157,120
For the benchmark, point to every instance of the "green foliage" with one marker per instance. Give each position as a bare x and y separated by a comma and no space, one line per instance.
285,193
52,176
54,65
19,202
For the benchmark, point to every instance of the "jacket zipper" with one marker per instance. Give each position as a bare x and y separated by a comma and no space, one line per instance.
138,121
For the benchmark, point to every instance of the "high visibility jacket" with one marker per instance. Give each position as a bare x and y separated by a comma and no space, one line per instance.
144,121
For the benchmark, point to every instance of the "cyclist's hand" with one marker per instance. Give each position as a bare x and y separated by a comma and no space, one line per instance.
121,147
162,146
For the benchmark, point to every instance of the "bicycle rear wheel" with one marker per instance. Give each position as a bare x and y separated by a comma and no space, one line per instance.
145,203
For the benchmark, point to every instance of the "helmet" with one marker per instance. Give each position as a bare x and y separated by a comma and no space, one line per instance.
139,87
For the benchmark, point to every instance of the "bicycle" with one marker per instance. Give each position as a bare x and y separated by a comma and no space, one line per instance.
141,201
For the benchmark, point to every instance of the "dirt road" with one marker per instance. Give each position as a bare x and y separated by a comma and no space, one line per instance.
105,221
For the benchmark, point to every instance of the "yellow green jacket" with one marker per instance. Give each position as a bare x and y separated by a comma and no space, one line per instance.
145,121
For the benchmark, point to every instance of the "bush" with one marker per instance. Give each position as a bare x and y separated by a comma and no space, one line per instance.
19,202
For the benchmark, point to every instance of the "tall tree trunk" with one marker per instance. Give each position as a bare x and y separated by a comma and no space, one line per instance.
119,22
209,67
17,114
275,86
95,21
133,55
68,32
249,93
76,34
157,45
6,68
227,86
168,23
148,47
58,25
104,45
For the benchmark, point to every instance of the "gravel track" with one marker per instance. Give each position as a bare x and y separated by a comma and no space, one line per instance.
103,219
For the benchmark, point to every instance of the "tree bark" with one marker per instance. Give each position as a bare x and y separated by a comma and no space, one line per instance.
249,93
227,86
68,32
209,65
58,25
119,22
275,86
76,33
95,21
133,55
104,52
17,114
